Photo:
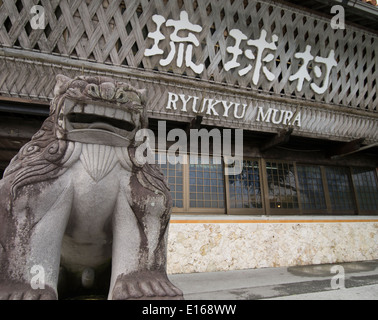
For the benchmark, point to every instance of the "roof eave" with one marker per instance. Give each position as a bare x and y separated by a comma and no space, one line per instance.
359,5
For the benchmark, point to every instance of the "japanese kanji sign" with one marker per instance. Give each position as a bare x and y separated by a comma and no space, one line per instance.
189,41
257,52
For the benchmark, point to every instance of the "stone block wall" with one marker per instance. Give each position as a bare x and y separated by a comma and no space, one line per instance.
222,245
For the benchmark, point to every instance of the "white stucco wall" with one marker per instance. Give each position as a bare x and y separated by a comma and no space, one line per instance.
207,244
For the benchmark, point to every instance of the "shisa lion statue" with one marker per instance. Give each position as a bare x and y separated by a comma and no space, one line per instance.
78,197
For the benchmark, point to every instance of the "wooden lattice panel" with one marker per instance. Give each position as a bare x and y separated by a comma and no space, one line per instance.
118,32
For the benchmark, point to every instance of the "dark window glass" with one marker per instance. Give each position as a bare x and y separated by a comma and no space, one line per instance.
206,184
365,183
282,186
340,189
311,188
174,174
245,188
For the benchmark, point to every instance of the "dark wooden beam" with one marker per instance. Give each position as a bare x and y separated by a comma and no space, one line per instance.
18,128
345,148
282,137
356,151
195,123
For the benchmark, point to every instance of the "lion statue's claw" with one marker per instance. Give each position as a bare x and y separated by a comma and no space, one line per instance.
145,287
25,292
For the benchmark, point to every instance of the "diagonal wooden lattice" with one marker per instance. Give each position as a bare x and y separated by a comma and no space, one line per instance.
115,32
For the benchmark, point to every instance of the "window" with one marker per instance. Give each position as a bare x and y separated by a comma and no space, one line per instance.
366,186
245,188
282,186
340,189
174,174
269,187
206,184
311,188
195,188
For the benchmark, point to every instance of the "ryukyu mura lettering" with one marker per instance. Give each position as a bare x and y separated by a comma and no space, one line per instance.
211,107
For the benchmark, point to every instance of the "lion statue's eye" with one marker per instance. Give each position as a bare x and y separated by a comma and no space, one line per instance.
121,96
127,96
93,90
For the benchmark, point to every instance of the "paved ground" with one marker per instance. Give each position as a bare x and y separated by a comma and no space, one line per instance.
355,280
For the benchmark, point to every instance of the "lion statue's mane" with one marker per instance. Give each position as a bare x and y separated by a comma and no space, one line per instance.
45,156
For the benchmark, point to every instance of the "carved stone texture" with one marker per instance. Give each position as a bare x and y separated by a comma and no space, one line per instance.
77,201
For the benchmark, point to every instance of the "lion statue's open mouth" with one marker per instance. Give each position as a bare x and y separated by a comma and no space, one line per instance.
105,112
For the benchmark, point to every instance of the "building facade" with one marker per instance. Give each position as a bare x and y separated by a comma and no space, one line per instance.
264,112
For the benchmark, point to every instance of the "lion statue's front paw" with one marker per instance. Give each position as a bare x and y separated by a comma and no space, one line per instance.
25,292
145,286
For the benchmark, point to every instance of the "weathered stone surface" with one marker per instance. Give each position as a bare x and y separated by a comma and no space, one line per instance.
210,247
76,198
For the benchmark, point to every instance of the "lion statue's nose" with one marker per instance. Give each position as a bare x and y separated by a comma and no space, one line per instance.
107,90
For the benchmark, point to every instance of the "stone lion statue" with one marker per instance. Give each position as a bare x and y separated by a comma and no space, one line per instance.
76,202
